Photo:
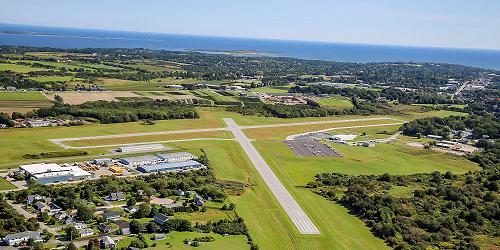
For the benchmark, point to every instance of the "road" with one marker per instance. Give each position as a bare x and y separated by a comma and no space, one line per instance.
291,207
459,89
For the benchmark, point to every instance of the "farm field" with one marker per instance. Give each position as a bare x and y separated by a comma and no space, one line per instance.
54,78
153,85
81,97
461,106
19,68
5,185
338,102
212,95
22,101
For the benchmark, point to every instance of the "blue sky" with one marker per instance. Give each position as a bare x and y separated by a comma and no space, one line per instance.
440,23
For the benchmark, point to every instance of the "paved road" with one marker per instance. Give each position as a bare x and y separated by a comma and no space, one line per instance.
459,89
294,211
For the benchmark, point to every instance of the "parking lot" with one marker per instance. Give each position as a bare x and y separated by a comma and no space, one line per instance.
307,147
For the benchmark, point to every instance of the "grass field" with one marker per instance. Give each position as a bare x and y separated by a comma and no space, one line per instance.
155,84
174,240
461,106
22,96
5,185
151,138
22,101
19,68
338,102
280,133
54,78
211,95
283,89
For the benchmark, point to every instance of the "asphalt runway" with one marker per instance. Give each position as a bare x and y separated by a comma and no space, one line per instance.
307,147
291,207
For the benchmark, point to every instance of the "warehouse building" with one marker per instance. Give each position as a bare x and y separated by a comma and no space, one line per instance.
141,160
141,148
177,157
170,166
53,173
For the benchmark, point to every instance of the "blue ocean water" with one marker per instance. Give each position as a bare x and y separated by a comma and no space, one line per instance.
38,36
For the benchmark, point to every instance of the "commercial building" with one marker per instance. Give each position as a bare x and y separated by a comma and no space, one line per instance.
177,157
52,173
341,137
140,160
37,123
170,166
141,148
18,238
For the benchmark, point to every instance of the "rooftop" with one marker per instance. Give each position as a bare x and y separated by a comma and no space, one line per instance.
141,158
170,165
176,155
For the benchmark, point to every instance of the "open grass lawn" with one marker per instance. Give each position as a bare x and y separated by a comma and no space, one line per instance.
279,133
151,138
371,132
22,96
461,106
17,142
22,101
153,85
269,226
212,95
338,102
174,240
6,185
54,78
278,89
19,68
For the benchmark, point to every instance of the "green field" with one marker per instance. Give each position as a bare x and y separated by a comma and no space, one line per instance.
461,106
338,102
153,85
214,96
19,68
22,96
174,240
22,101
6,185
54,78
283,89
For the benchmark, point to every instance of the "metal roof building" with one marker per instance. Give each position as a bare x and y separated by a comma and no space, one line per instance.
170,166
176,157
141,160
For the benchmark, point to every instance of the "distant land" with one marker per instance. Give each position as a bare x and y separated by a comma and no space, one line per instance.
38,36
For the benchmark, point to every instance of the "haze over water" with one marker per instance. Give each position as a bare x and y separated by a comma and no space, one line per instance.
79,38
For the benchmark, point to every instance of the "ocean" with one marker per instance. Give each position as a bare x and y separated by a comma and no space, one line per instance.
38,36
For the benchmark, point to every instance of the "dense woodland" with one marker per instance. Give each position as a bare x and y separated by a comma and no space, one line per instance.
119,112
443,211
485,126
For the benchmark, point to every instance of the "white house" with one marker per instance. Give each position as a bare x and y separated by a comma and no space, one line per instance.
18,238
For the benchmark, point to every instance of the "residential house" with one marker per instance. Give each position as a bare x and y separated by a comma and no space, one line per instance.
104,228
112,216
86,232
41,207
18,238
198,200
118,196
159,237
34,198
130,210
107,242
176,206
124,227
179,192
80,225
160,219
60,215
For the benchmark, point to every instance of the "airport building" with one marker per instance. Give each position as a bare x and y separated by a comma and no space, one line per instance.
170,166
177,157
52,173
140,160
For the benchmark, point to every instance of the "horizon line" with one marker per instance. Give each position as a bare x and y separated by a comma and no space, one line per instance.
261,38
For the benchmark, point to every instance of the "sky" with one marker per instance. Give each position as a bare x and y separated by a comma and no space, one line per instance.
429,23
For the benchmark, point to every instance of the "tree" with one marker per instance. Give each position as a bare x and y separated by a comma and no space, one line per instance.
5,119
85,211
143,210
58,99
131,202
136,227
71,233
152,227
71,246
